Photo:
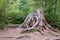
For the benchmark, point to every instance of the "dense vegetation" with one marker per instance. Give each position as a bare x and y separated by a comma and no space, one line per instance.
15,11
2,13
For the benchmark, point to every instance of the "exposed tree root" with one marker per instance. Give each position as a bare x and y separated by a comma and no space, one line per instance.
36,20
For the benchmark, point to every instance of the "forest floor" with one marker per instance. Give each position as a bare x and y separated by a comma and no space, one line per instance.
14,34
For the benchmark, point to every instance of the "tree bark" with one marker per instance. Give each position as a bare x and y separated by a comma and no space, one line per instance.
36,20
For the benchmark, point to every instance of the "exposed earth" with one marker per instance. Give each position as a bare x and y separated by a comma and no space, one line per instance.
14,34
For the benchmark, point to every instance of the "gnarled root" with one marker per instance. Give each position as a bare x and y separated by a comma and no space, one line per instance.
36,20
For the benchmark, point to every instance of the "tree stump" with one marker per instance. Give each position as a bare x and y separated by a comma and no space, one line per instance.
36,20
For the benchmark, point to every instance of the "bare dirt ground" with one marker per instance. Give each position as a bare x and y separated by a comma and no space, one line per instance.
14,34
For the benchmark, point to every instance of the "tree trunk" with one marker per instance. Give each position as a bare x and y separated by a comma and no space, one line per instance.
36,20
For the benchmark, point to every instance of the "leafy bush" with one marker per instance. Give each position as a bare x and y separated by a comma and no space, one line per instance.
17,11
2,12
52,17
15,19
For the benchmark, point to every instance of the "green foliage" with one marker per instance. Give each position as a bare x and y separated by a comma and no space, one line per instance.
20,6
52,16
17,11
2,11
15,19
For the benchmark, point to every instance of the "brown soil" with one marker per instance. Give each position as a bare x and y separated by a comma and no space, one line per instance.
14,34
